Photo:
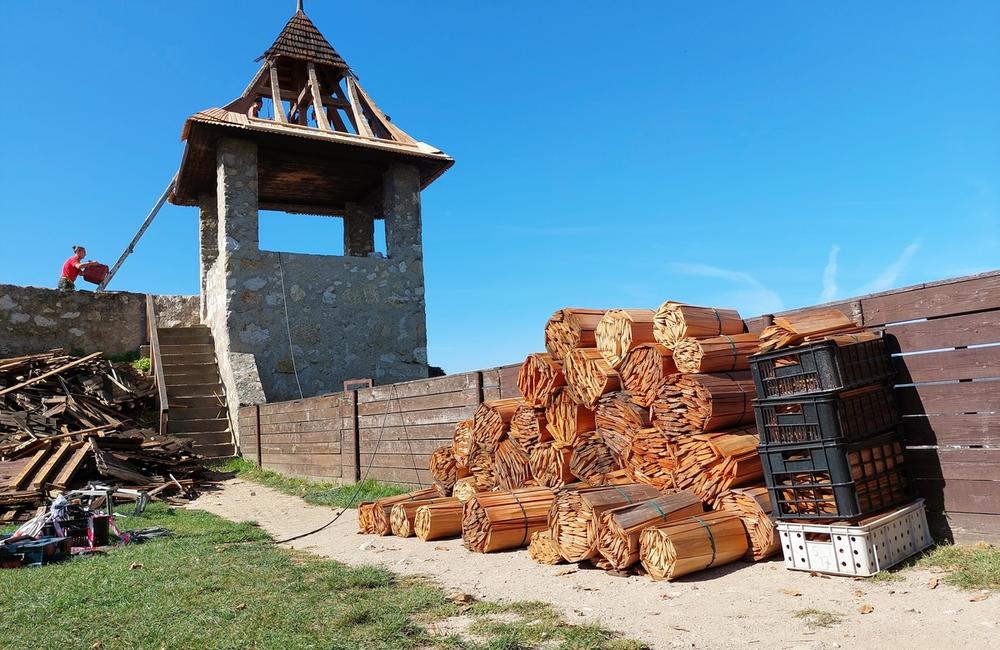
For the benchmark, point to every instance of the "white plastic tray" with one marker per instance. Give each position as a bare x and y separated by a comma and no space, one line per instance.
861,550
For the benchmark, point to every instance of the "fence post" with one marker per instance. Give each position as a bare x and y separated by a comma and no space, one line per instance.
260,453
356,429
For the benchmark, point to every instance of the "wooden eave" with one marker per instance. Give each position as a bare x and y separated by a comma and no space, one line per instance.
300,168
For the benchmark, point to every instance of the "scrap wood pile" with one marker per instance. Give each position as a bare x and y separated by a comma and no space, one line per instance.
633,447
66,421
818,325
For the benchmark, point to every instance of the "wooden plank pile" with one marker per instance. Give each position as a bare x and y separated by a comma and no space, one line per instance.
66,421
51,393
795,329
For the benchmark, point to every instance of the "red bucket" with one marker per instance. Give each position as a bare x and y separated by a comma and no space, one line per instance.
95,274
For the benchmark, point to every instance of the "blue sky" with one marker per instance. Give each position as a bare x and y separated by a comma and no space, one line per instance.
754,155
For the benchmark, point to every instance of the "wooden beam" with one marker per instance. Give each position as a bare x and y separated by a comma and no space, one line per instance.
54,461
279,109
317,98
327,101
397,133
336,103
48,374
360,123
240,105
296,208
338,93
19,481
138,235
300,101
338,121
257,79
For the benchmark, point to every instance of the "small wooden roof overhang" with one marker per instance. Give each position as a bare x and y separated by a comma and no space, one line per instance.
299,168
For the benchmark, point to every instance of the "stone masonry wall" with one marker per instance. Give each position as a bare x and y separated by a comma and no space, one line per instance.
33,319
347,317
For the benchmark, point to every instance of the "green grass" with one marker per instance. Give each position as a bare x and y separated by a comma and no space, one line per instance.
125,357
818,617
887,577
219,584
969,567
316,493
530,624
142,365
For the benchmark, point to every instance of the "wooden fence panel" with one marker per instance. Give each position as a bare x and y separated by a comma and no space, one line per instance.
964,429
934,299
508,381
952,331
952,397
491,384
967,363
299,438
398,428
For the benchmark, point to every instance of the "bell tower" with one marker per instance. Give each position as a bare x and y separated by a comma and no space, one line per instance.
305,138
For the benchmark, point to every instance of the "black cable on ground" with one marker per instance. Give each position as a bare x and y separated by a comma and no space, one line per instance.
364,477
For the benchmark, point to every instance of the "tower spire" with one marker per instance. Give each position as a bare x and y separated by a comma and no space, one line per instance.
299,8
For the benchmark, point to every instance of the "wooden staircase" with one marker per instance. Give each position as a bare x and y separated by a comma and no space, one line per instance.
196,398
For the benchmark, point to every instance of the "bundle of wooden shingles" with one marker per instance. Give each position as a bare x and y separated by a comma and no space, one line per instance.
66,421
633,441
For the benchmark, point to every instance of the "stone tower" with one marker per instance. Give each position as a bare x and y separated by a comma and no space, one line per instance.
305,138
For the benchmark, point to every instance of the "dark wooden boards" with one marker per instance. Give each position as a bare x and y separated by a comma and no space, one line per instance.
947,297
973,526
508,381
398,427
951,331
383,432
967,363
973,429
974,497
952,397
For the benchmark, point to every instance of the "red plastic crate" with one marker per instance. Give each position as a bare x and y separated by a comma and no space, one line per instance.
95,274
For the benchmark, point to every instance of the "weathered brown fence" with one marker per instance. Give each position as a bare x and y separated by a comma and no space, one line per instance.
947,339
384,432
301,438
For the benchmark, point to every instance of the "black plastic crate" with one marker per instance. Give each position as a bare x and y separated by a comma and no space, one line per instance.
836,416
819,367
835,481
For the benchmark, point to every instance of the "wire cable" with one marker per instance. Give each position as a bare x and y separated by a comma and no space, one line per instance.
288,325
364,477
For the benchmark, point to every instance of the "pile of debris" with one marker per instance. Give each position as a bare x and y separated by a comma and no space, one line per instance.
72,525
65,421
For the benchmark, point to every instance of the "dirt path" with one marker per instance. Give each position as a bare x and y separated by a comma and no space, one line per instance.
739,605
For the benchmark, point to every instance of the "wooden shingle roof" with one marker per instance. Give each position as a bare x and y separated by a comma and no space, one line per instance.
301,40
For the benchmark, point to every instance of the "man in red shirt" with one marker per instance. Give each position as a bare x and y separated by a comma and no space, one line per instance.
72,268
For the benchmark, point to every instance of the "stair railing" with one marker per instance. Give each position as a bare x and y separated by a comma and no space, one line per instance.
156,363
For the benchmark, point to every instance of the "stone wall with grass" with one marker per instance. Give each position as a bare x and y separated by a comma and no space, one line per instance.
33,319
